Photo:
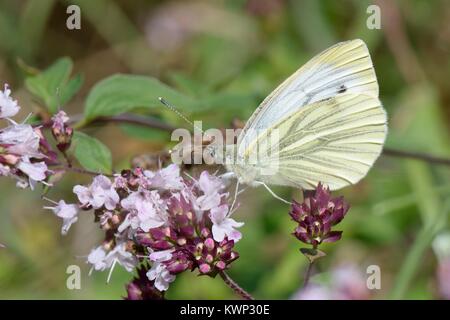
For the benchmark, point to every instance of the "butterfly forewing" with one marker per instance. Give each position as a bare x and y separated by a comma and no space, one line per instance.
343,68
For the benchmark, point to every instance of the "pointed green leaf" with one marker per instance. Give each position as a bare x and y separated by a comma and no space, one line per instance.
121,93
53,86
91,153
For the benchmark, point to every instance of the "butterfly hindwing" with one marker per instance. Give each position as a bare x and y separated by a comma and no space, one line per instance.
334,141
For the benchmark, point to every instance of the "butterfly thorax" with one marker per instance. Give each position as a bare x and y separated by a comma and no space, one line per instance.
238,167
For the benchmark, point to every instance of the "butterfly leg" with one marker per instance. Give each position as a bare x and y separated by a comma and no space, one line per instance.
272,193
236,192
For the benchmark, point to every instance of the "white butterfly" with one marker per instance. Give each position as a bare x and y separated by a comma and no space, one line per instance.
329,123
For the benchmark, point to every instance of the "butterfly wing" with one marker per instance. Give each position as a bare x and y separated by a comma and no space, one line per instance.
343,68
334,141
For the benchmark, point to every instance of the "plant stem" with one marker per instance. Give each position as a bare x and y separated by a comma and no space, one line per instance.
82,171
144,121
308,274
235,287
416,155
411,263
67,158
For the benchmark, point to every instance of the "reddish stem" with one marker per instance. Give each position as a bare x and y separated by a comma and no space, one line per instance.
235,287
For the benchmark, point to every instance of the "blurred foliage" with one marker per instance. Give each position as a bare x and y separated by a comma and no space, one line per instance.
215,61
53,86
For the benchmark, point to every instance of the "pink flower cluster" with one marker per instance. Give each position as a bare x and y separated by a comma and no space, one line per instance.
160,217
24,152
347,282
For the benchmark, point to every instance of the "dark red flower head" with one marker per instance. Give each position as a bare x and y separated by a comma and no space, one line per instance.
316,215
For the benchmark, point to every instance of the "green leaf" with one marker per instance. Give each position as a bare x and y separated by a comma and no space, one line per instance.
91,153
144,133
71,88
122,93
53,86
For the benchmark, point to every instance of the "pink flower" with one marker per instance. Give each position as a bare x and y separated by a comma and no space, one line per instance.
120,182
68,212
59,120
167,178
223,226
209,183
161,276
443,277
4,170
122,256
146,210
8,106
36,171
97,258
101,259
105,217
210,186
347,283
160,256
313,292
100,193
22,140
159,272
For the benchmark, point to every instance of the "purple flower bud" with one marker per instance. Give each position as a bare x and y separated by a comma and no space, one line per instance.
221,265
141,288
134,292
209,258
61,131
205,232
209,244
204,268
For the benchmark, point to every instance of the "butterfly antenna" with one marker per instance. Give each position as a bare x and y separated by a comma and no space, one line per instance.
182,116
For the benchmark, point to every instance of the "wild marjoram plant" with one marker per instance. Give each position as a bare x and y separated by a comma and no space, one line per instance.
156,222
163,222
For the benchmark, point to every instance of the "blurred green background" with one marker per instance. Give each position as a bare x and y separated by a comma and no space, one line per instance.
232,54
